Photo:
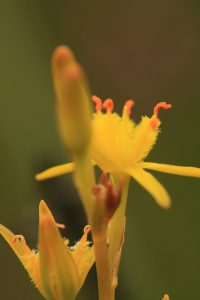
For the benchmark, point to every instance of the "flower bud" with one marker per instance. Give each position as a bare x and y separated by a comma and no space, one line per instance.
72,93
58,270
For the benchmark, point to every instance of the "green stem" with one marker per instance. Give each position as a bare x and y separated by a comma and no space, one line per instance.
85,180
102,264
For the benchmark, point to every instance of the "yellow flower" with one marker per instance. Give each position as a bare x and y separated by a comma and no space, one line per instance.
119,146
57,270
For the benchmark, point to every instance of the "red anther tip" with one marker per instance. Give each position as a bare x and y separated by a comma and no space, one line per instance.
98,103
87,229
108,105
163,105
18,237
129,104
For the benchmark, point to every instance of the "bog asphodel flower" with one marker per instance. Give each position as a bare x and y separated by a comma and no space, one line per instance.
119,146
56,269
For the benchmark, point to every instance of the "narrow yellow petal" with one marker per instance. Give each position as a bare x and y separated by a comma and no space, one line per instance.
152,185
28,258
144,139
58,271
18,247
83,255
55,171
171,169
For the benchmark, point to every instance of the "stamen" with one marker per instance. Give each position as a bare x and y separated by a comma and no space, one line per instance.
87,229
108,105
60,226
161,105
129,104
20,238
98,103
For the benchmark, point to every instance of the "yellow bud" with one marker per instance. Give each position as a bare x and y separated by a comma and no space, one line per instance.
59,274
73,96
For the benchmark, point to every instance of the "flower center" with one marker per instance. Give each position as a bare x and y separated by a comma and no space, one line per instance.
117,143
112,135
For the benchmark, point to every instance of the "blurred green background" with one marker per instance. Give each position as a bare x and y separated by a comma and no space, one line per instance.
146,50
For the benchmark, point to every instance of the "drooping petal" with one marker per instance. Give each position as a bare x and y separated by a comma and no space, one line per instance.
177,170
152,185
55,171
28,258
58,271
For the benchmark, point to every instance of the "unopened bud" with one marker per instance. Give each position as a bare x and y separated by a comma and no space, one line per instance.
72,95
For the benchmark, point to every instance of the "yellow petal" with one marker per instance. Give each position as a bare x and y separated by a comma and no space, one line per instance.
177,170
58,271
55,171
143,139
112,141
28,258
152,185
83,256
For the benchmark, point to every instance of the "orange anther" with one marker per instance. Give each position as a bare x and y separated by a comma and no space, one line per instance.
161,105
60,226
87,229
98,103
129,104
20,238
108,105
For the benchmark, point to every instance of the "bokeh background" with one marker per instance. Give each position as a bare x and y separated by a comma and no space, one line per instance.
146,50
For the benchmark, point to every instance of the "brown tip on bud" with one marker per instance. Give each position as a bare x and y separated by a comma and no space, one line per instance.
61,55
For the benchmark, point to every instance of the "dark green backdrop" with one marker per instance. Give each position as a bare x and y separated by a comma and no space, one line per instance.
146,50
